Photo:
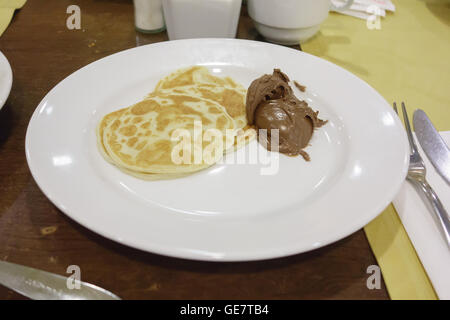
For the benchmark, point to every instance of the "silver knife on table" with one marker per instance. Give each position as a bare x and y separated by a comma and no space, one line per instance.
432,143
42,285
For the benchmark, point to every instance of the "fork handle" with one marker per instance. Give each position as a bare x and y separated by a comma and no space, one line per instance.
438,209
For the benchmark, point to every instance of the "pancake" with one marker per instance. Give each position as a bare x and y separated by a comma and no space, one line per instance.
141,175
140,138
198,81
140,144
105,122
196,75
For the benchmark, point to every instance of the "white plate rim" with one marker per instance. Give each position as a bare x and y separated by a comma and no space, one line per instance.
4,93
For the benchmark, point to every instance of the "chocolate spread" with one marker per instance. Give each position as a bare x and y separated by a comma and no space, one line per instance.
271,104
299,86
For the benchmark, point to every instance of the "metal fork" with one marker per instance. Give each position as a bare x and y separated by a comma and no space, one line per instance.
417,176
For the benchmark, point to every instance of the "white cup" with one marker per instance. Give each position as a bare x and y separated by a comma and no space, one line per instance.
201,18
290,22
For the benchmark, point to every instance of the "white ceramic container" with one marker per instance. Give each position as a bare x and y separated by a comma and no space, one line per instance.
290,21
201,18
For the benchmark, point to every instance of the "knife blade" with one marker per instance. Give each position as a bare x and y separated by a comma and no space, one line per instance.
42,285
432,143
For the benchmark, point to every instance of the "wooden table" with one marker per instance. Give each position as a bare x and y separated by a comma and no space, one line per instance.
33,232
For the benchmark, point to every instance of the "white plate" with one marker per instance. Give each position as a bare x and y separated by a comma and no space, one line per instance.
5,79
229,212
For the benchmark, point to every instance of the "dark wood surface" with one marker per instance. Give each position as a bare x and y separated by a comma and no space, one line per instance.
33,232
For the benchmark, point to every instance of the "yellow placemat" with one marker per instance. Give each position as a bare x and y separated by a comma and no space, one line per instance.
405,60
7,8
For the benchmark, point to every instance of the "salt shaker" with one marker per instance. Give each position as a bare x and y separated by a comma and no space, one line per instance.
148,16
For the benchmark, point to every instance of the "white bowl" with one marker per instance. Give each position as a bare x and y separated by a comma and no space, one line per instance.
288,22
286,36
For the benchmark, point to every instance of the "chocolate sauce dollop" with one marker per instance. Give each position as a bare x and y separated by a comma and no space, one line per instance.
271,104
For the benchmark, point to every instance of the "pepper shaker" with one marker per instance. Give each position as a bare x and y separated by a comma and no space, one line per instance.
148,16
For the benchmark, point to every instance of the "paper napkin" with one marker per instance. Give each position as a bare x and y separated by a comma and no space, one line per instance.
422,229
365,9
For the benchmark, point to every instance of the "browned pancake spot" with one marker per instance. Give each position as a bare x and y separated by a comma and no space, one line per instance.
144,107
116,124
157,153
137,120
141,145
128,130
233,102
214,110
221,122
132,141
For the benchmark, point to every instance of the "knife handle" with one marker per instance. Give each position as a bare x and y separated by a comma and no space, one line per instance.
437,207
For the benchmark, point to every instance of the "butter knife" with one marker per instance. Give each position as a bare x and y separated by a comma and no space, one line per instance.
42,285
432,143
